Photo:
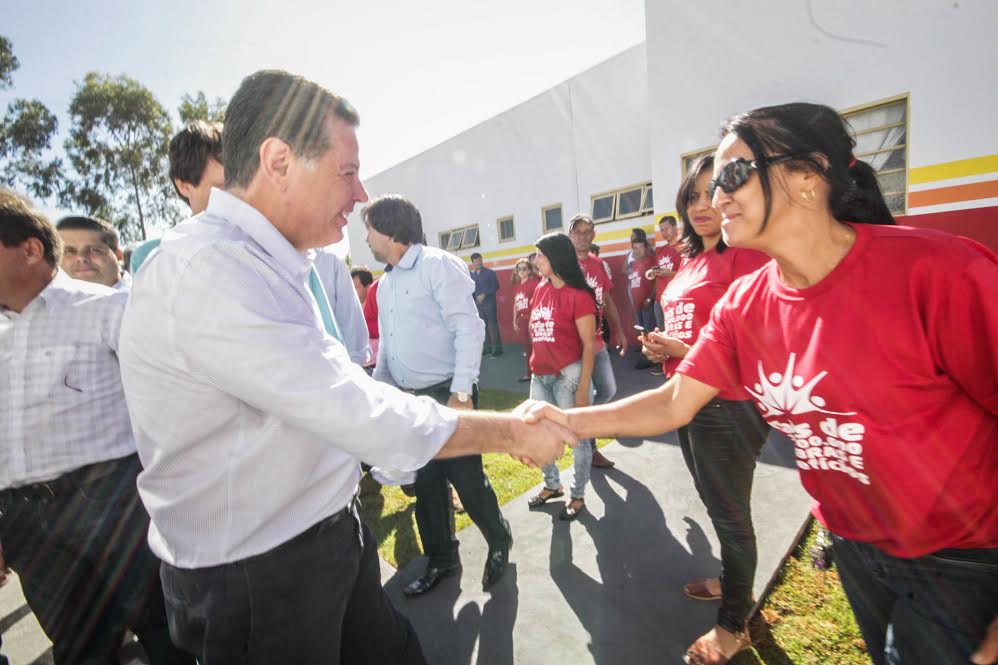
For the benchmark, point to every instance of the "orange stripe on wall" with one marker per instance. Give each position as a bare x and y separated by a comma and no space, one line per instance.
968,192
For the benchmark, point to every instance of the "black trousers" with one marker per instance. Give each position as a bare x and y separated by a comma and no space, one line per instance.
315,600
79,545
720,446
433,504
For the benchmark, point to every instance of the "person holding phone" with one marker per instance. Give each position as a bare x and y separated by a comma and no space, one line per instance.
721,443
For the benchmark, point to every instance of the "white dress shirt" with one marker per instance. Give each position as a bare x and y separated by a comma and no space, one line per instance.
338,284
61,402
249,419
429,326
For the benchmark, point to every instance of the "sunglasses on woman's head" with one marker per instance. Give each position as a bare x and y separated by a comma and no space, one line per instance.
736,173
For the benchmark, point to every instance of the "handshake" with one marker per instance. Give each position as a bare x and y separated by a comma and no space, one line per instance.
545,431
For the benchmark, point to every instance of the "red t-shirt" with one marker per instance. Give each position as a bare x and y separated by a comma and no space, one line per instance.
521,297
553,333
597,276
667,257
885,376
696,287
371,310
641,286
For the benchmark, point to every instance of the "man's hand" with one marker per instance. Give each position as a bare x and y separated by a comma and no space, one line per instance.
987,652
480,298
4,570
454,403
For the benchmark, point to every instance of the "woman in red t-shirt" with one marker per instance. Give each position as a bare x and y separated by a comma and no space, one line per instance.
524,281
721,443
642,288
563,332
875,349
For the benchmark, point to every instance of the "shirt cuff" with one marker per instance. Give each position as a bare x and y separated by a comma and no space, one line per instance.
462,385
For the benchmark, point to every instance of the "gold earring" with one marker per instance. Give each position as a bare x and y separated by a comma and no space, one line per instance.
807,195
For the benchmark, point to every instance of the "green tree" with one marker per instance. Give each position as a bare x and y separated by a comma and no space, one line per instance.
197,107
118,147
8,63
26,133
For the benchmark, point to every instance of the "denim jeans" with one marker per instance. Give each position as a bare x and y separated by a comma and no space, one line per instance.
487,311
932,609
720,446
604,383
645,317
559,389
659,316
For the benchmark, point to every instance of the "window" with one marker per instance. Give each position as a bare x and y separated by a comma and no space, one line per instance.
506,230
881,132
551,218
603,207
629,203
462,238
647,202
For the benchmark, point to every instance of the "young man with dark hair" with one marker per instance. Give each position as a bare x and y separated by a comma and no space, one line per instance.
362,279
430,346
91,252
227,344
195,167
71,522
486,287
667,261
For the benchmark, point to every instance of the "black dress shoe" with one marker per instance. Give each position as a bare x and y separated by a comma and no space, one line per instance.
429,579
495,564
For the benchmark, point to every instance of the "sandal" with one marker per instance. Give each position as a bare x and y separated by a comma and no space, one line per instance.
699,590
569,514
541,498
705,651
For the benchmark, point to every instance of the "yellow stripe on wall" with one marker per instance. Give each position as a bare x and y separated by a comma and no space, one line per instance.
961,168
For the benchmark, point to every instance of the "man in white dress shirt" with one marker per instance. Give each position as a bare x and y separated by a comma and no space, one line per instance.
71,522
250,418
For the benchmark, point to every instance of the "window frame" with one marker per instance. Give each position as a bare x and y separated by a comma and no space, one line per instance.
639,211
905,99
612,195
544,218
499,222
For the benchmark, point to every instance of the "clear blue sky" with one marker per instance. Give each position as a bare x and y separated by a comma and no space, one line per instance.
418,72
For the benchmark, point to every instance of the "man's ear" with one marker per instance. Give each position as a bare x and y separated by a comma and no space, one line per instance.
275,161
34,250
185,188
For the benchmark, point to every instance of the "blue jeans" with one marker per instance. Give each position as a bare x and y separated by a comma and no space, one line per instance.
559,389
604,383
933,609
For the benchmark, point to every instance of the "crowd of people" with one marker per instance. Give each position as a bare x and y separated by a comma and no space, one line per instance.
184,438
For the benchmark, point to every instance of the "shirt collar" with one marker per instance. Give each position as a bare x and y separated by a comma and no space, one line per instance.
410,257
231,208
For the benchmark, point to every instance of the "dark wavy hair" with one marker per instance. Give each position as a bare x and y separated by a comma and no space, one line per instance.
810,132
692,243
560,253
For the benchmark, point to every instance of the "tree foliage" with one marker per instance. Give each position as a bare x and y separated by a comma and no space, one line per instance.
118,147
197,107
8,63
26,133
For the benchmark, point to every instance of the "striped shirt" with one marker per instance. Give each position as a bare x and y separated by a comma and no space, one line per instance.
61,402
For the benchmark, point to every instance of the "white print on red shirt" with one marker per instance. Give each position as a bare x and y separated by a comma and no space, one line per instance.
520,302
665,261
541,324
678,317
635,279
595,285
837,446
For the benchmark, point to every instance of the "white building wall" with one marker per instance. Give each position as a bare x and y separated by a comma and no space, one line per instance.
711,59
585,136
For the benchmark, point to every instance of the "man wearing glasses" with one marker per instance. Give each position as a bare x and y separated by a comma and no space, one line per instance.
91,252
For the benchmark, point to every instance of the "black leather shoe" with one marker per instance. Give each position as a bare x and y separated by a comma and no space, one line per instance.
429,579
495,564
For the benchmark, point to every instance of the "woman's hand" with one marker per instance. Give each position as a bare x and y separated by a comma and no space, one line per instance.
582,397
516,325
659,348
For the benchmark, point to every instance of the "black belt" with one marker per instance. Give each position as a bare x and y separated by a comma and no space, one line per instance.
67,483
435,389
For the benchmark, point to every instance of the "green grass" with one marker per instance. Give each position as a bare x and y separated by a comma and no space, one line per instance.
391,514
806,620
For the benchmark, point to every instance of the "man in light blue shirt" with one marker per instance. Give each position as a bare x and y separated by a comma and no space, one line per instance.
336,280
431,336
